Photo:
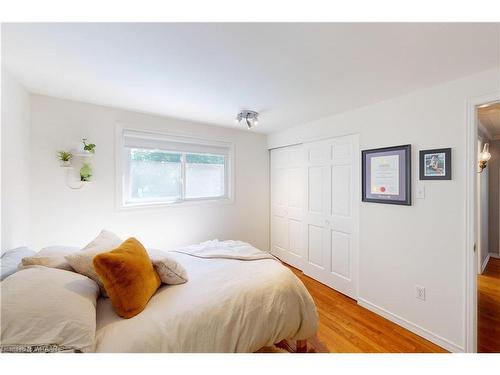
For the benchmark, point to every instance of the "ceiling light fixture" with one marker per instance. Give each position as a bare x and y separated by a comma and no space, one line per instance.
251,118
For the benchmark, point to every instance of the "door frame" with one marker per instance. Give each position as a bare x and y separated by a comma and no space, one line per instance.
470,254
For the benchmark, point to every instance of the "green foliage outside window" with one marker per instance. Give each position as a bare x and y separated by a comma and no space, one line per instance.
158,156
204,159
166,157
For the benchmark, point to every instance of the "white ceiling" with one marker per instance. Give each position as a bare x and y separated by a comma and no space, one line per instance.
490,118
291,73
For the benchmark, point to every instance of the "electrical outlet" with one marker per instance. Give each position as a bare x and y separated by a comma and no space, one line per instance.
420,292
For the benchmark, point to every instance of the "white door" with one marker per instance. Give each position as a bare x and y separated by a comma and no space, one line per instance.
330,217
287,191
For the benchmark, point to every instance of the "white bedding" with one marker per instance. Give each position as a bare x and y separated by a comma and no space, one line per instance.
225,249
47,309
227,305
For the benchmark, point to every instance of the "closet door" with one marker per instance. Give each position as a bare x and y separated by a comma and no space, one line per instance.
287,195
330,218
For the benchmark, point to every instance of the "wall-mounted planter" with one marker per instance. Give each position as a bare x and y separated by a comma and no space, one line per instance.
65,158
86,172
80,159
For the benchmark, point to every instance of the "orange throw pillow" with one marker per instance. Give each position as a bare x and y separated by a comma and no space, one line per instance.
128,277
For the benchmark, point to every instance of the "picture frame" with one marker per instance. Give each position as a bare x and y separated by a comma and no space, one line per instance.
386,175
435,164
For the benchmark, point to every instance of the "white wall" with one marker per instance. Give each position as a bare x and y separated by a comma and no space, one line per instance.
16,152
424,244
64,216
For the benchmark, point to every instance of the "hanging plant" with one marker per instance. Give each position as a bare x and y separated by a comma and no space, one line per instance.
89,147
85,172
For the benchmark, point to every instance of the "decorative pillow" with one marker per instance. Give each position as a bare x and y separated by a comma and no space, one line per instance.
81,261
11,260
51,262
170,271
57,251
128,277
52,256
48,310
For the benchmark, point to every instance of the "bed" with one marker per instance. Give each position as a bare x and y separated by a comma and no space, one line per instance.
228,305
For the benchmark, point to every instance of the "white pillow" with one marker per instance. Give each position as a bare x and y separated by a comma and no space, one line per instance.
51,256
46,310
57,251
11,260
82,261
169,270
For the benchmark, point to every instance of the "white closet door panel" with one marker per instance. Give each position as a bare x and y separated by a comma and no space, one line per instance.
295,187
341,223
331,212
280,187
295,237
279,158
315,245
315,190
317,154
341,152
287,202
280,225
295,156
341,190
280,211
340,250
295,192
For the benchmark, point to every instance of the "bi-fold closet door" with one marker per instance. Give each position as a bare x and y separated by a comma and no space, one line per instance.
314,210
287,199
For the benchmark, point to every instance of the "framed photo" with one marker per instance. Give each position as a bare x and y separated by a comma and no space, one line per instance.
435,164
386,175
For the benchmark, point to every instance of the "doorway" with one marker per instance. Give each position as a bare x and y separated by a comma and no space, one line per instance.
482,237
488,237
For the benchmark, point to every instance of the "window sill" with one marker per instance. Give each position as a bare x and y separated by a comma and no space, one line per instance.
184,203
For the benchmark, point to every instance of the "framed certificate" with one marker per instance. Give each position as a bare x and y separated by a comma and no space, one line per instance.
386,175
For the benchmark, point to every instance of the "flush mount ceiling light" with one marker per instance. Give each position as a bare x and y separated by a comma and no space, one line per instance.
250,118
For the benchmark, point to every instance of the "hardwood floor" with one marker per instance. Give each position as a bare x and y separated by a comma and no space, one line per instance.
346,327
488,295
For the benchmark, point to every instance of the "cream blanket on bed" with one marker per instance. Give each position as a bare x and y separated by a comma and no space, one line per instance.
225,250
227,305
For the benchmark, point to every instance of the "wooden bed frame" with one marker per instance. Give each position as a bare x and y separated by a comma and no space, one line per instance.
300,346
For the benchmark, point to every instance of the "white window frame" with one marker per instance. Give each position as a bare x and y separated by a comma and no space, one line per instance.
122,168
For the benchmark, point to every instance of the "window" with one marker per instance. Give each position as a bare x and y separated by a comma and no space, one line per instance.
158,169
204,175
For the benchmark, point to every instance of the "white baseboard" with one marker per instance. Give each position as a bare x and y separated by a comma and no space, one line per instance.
485,262
436,339
494,255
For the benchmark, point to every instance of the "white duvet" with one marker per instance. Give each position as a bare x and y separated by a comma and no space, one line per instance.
225,250
227,305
